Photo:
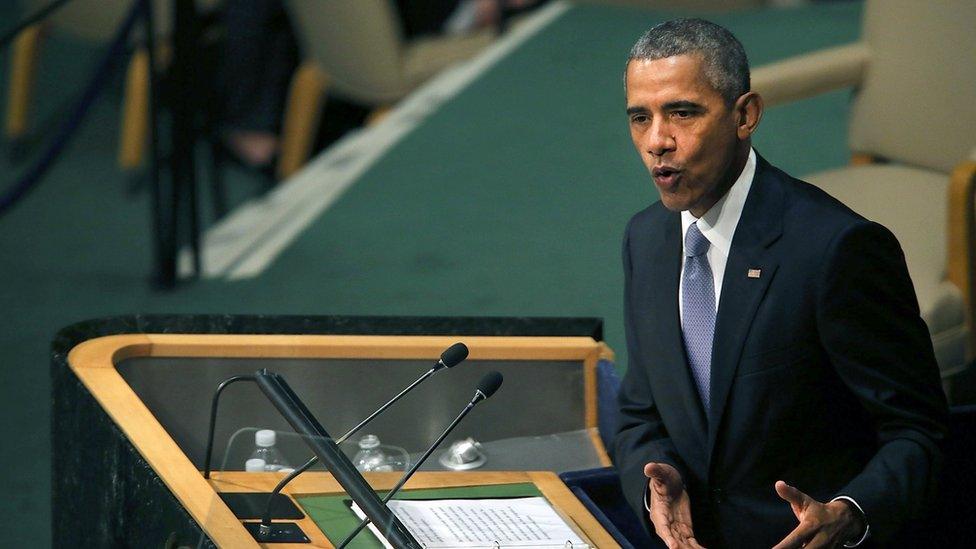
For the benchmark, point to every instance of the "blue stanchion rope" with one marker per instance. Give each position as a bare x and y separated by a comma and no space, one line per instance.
70,125
42,13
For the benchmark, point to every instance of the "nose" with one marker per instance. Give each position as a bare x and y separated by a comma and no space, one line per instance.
659,139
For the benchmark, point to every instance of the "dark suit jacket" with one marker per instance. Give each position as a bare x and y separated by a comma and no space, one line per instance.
823,373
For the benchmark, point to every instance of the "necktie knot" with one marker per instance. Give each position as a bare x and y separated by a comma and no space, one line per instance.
695,242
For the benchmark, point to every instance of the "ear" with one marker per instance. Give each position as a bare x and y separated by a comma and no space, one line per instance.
748,111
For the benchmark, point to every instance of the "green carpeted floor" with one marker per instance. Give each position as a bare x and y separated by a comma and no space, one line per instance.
511,200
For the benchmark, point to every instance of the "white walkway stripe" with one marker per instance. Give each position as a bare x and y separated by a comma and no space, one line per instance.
253,235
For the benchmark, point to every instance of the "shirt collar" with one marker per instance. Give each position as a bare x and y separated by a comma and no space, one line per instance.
719,222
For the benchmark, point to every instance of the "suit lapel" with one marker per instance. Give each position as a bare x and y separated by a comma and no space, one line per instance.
748,273
671,365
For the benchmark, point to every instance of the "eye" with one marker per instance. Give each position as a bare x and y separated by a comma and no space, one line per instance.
639,118
681,114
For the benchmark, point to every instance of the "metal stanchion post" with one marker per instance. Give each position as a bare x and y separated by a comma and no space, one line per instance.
164,246
184,131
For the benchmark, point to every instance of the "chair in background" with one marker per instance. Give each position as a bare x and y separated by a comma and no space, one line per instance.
702,5
599,489
357,50
92,22
911,130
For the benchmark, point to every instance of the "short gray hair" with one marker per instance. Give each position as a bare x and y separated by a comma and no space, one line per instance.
724,58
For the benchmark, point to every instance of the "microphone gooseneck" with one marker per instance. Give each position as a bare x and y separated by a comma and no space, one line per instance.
213,417
486,387
452,356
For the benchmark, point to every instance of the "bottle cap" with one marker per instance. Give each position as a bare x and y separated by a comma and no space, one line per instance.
369,441
254,465
264,438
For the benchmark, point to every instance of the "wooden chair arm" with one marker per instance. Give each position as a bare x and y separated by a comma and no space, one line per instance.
22,70
961,250
299,128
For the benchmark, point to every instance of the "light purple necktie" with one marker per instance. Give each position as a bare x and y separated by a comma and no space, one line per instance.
698,315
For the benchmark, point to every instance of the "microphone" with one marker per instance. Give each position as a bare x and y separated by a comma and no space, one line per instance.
213,417
486,387
451,357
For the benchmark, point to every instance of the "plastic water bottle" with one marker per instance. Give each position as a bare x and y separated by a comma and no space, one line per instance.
371,456
254,465
265,450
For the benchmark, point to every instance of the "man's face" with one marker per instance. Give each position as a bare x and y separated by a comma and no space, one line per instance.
686,134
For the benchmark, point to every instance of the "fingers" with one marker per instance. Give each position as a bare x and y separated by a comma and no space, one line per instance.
674,540
668,540
788,492
663,531
673,525
795,497
663,519
681,531
670,507
676,543
685,536
664,481
664,474
798,537
659,471
819,541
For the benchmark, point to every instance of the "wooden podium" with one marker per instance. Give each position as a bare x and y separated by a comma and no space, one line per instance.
561,498
139,461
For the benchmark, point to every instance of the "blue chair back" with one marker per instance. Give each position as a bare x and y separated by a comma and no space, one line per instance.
608,412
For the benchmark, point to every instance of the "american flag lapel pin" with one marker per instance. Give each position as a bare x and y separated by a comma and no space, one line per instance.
754,273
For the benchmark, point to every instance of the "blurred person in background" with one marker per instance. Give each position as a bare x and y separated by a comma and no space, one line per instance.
258,56
260,53
424,17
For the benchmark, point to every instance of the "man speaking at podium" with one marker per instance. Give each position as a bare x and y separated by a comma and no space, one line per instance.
782,388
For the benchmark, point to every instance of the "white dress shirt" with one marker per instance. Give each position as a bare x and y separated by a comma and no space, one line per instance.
718,226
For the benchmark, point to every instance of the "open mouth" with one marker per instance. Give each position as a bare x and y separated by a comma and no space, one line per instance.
665,176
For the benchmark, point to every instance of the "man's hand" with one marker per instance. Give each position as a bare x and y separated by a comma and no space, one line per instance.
821,525
670,507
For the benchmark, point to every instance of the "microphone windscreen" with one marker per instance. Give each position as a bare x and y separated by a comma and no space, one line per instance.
490,383
454,354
